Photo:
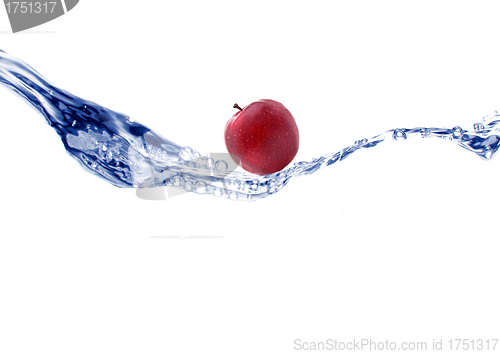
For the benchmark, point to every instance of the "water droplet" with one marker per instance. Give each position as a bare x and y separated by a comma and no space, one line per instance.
281,175
74,123
424,132
104,147
221,166
201,161
496,112
457,132
272,186
399,134
239,184
254,185
176,181
201,187
488,153
188,184
185,153
217,192
478,128
233,195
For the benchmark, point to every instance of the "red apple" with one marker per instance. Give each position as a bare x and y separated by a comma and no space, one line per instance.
263,135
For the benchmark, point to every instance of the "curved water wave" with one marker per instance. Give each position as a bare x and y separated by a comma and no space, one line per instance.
128,154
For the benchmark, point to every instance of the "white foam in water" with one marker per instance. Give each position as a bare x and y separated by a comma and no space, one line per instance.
128,154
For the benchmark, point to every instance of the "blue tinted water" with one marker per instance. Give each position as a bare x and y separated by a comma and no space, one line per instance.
128,154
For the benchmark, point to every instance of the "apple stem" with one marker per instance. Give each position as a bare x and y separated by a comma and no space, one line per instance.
236,106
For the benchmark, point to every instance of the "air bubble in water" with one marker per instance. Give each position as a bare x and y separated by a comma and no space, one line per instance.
488,153
478,128
201,187
74,123
185,153
254,185
176,181
195,155
272,186
221,165
281,176
399,134
457,132
200,160
424,132
233,195
239,185
272,190
188,184
109,156
217,192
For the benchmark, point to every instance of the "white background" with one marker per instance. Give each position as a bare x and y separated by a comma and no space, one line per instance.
398,242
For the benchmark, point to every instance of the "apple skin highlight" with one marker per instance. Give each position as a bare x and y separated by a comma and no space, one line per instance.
263,135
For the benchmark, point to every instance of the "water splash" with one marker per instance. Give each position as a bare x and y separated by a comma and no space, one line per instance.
126,153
